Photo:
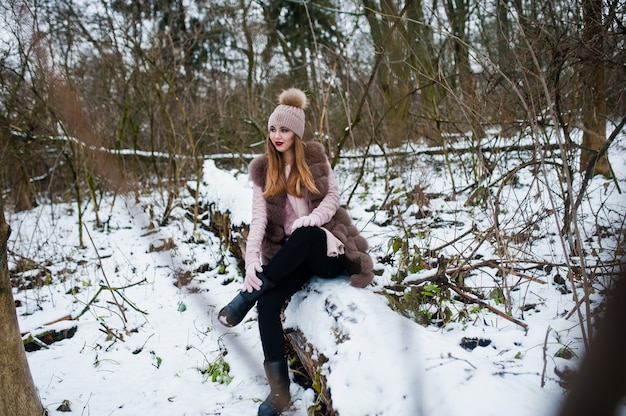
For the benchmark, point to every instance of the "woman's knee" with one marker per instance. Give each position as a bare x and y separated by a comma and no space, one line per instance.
309,233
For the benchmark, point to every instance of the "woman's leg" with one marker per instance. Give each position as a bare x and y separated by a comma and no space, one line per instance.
269,307
300,258
306,246
303,255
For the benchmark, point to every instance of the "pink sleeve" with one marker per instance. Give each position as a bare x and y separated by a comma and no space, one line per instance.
257,226
328,206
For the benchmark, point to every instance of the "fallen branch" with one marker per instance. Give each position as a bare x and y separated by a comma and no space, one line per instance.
575,308
440,276
496,265
436,151
113,290
434,276
486,305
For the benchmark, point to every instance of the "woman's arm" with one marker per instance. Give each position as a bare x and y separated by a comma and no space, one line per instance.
257,227
329,204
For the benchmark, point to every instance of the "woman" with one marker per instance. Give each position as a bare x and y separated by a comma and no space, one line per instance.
298,230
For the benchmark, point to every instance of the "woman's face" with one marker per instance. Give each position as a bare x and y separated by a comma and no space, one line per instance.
282,138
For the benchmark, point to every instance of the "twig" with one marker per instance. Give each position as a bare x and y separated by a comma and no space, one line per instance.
545,361
31,261
109,331
575,308
86,308
106,279
449,243
461,359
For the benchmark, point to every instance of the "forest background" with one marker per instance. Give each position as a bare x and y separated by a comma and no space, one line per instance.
106,97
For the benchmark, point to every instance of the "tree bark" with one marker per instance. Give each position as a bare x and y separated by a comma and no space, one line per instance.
593,89
458,12
18,395
310,359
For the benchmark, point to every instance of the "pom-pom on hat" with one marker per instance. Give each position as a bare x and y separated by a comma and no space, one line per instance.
290,111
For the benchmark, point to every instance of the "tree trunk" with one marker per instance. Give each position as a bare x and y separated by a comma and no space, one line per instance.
424,61
458,12
18,396
594,92
393,77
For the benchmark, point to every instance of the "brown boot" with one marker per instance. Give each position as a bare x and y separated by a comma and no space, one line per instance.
277,373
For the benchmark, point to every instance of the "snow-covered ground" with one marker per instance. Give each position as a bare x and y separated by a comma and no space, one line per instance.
150,343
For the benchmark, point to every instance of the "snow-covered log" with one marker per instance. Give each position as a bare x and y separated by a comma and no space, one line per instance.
49,333
327,321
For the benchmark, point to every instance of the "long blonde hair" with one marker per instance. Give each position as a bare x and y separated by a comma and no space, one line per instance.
275,182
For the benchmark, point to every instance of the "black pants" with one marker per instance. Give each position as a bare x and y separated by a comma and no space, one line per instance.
301,257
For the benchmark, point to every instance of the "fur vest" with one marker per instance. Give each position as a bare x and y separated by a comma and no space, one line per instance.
360,264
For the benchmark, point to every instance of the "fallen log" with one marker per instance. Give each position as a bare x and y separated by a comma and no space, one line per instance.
331,326
49,333
312,362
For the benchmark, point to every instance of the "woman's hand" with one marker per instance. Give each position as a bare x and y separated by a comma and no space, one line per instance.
252,282
311,220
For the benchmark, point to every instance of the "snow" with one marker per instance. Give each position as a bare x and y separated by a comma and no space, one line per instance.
142,345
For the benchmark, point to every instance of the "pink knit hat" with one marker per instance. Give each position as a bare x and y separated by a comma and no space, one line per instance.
290,111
